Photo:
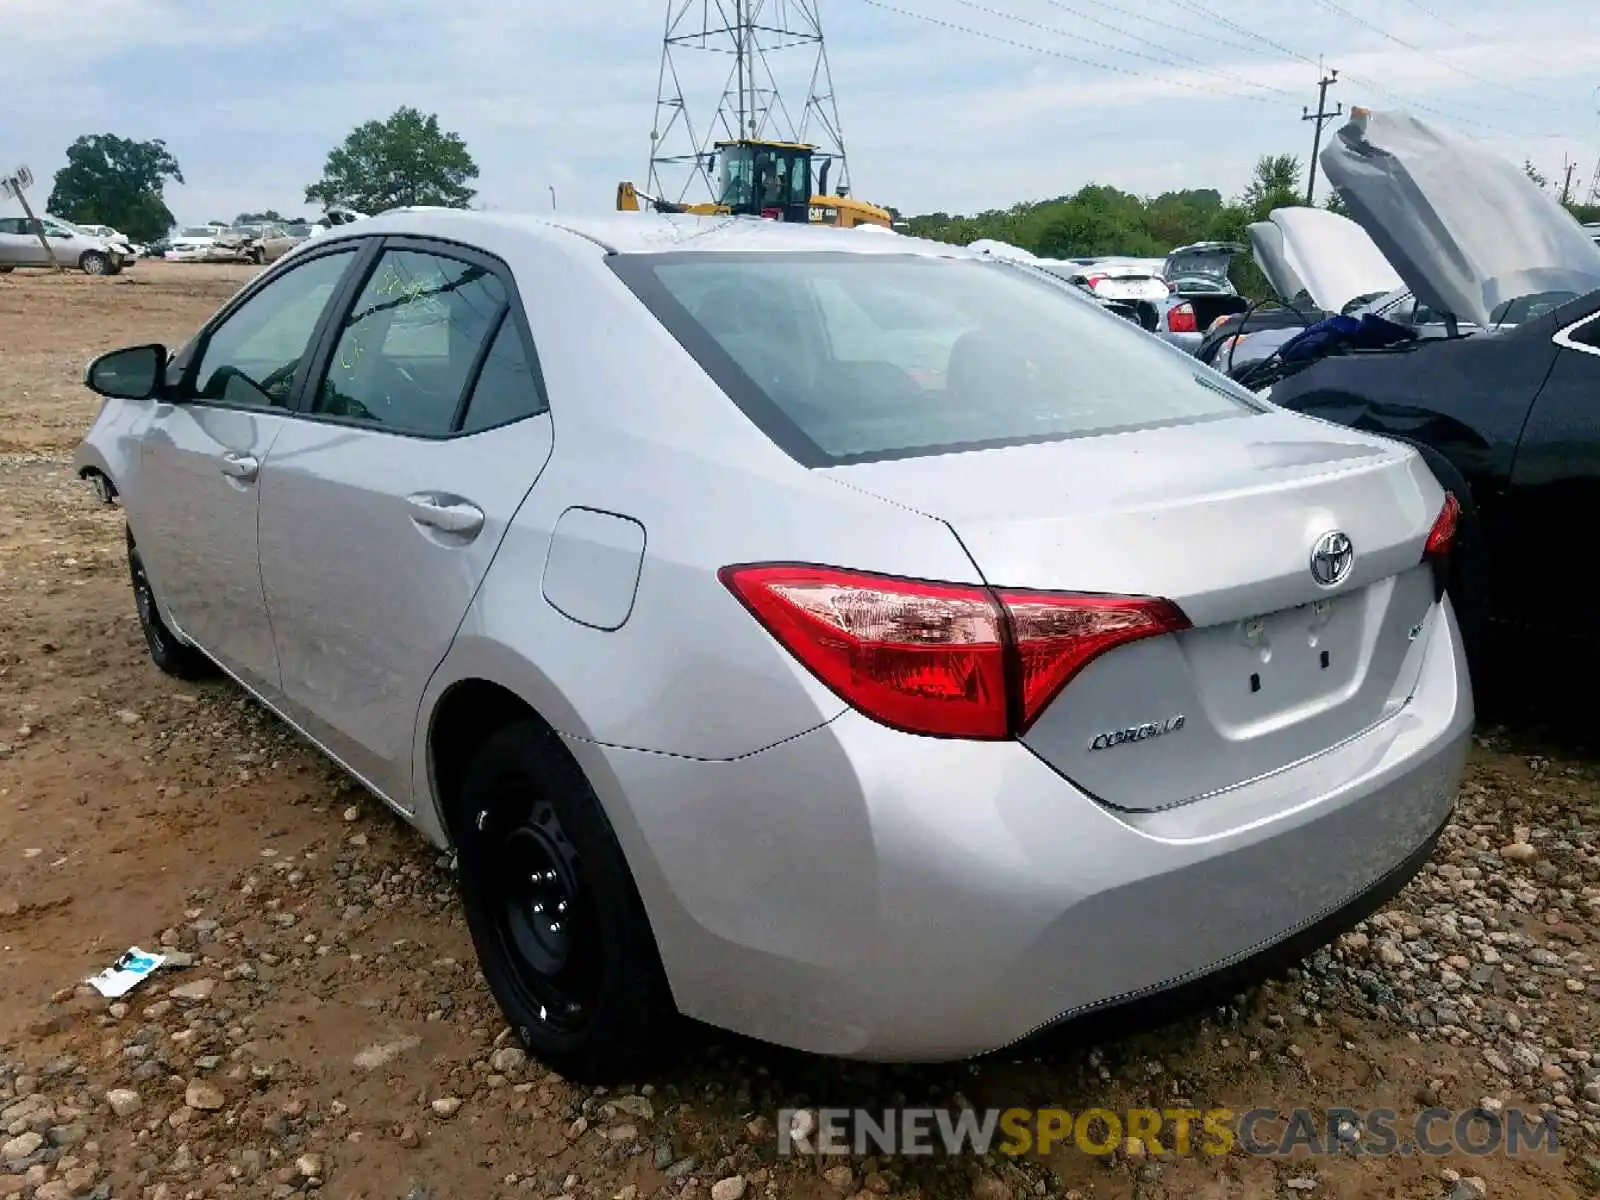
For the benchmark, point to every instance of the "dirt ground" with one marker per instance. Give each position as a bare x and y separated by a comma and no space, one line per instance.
330,1032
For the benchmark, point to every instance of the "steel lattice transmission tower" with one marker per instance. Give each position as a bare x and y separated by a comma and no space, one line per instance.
761,42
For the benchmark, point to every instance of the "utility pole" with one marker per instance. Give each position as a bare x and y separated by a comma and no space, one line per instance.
1322,116
1566,186
16,185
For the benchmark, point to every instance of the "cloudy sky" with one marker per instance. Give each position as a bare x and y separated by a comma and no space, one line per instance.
952,105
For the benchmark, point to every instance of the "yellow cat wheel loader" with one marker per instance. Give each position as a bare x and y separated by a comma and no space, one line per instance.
770,180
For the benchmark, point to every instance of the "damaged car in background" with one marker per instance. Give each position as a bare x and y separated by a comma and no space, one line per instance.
1503,404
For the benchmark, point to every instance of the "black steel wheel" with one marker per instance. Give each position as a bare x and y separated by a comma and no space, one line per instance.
545,920
561,933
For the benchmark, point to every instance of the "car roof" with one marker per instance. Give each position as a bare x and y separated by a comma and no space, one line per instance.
649,233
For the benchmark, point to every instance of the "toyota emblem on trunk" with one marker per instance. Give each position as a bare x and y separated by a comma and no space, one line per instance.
1332,558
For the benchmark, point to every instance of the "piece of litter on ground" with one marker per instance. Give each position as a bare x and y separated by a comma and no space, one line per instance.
122,976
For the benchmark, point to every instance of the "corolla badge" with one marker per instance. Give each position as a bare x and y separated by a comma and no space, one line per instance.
1136,733
1331,558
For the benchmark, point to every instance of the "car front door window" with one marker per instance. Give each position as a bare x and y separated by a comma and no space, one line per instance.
251,359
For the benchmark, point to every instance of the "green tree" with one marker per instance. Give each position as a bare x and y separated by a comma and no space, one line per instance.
109,180
406,159
1335,204
1276,182
270,217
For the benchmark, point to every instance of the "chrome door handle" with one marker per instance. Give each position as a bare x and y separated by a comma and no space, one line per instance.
240,466
459,517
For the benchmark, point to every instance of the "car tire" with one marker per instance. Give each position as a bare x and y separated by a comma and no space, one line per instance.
561,934
177,659
94,263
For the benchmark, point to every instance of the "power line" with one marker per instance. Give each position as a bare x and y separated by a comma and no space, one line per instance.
1370,84
1228,75
1445,21
1207,35
1340,10
1057,31
1020,45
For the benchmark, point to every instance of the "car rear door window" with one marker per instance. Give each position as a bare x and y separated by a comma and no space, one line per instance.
408,349
251,358
508,388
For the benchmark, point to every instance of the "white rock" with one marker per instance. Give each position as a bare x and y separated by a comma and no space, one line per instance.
508,1061
383,1053
731,1188
20,1147
196,992
446,1107
124,1101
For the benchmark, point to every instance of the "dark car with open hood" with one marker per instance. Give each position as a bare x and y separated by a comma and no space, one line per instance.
1506,407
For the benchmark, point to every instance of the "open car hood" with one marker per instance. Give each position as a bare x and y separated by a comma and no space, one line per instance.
1321,254
1465,228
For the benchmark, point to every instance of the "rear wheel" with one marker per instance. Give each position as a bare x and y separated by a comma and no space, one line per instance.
560,931
166,651
94,263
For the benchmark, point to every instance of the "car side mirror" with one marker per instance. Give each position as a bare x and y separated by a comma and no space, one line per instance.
135,373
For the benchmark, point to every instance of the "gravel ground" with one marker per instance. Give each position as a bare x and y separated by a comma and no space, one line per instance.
323,1028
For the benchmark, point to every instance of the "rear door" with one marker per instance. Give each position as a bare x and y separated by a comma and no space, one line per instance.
384,502
19,244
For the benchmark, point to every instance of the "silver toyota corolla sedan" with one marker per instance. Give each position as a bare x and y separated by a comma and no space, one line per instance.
847,641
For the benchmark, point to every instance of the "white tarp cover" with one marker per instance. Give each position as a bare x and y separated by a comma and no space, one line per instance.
1003,250
1466,228
1327,256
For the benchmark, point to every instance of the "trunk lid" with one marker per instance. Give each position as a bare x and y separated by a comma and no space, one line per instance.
1202,260
1221,518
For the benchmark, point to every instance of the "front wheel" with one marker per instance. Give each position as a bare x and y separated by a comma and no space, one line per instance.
561,934
166,651
94,263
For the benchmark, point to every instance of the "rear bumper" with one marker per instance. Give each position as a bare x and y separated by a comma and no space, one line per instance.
859,892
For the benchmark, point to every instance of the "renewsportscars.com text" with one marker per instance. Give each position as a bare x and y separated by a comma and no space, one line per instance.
1180,1131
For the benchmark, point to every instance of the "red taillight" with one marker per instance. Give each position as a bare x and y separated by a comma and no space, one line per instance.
1443,532
945,659
1180,319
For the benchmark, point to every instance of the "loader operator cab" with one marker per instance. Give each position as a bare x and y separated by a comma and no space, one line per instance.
766,179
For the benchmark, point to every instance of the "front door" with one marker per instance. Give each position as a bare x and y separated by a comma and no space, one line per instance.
384,503
194,509
1555,485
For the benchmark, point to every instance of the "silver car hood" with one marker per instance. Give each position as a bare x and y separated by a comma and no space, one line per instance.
1328,257
1465,228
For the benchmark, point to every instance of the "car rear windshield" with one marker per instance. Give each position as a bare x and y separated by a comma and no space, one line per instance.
849,357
